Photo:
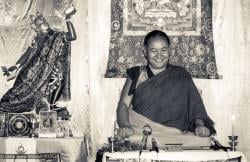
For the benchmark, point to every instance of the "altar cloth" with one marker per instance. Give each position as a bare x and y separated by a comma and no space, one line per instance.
187,156
70,149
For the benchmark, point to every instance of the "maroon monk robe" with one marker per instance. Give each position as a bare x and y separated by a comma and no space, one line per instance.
172,99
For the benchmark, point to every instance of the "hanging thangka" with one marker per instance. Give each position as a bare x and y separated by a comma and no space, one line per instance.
187,22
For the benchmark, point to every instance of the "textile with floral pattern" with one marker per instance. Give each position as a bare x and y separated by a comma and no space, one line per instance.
187,22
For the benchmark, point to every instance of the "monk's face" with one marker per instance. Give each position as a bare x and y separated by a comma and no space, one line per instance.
157,52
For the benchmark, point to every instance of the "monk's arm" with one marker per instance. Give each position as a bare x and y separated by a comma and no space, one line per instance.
198,114
123,105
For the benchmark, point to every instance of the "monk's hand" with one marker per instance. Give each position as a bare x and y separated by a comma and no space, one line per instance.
126,132
202,131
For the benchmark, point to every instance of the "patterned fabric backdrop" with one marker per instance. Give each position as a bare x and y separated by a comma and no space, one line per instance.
187,22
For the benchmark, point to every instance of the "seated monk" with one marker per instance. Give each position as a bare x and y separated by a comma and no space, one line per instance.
161,93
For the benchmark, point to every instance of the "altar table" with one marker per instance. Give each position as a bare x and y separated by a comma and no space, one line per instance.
183,156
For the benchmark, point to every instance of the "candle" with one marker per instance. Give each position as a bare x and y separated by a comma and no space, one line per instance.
113,122
233,120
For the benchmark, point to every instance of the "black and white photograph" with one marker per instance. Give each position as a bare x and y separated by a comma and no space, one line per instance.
124,80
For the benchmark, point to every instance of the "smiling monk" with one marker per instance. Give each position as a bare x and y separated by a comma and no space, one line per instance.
163,93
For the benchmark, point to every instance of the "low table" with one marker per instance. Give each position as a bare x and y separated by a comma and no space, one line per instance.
183,156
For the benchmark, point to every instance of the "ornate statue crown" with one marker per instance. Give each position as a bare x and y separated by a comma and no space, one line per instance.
34,18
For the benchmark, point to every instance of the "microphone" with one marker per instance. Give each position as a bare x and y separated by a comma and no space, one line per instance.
147,130
154,145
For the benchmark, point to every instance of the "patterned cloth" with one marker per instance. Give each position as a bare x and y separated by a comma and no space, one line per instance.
178,156
187,22
43,76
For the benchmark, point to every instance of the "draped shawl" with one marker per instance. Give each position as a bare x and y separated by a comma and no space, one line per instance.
172,99
49,56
